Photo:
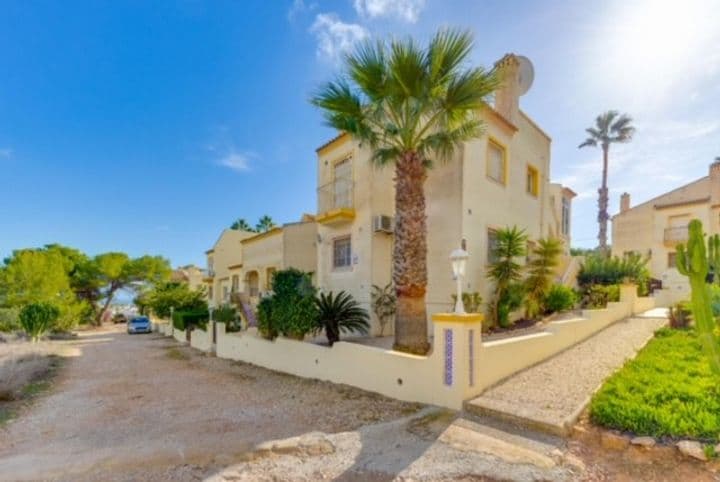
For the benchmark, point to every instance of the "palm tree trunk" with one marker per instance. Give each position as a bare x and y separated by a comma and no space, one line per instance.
603,204
410,255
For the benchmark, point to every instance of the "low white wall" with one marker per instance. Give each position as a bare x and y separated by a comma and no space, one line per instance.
180,335
460,367
201,340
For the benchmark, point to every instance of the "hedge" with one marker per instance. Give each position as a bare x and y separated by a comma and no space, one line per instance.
183,320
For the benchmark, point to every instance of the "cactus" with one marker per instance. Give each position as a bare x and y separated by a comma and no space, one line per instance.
713,255
692,262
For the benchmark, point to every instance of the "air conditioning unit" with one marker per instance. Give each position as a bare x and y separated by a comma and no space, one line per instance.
384,224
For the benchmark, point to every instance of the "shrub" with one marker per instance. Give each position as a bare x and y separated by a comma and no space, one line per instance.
598,269
227,314
512,299
598,296
339,313
680,315
290,310
38,318
543,261
471,301
188,320
559,298
384,303
166,297
9,319
510,243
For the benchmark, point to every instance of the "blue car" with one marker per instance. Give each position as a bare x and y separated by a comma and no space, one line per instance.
139,324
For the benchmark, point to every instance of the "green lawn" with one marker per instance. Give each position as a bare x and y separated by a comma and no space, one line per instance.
666,391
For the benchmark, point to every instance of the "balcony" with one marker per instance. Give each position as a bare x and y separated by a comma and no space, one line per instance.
675,235
335,202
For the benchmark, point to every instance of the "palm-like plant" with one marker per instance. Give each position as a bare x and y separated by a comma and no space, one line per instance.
242,225
610,128
411,106
384,303
544,259
264,224
505,270
340,313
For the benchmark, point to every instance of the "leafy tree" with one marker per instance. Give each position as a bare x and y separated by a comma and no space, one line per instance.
411,105
541,268
610,128
242,225
506,271
290,310
36,319
264,224
176,295
340,313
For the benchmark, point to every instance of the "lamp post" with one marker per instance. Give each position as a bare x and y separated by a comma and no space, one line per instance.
459,258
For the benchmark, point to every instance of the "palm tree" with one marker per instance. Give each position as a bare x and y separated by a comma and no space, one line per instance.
264,224
544,259
242,225
505,271
340,313
609,128
412,106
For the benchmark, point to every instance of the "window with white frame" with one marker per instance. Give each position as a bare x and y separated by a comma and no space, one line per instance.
342,253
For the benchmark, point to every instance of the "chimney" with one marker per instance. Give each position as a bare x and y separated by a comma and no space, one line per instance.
624,202
507,96
715,183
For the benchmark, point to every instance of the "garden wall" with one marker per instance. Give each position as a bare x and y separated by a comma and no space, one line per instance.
201,340
460,367
179,335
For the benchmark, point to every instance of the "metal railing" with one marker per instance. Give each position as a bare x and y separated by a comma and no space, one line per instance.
335,195
677,234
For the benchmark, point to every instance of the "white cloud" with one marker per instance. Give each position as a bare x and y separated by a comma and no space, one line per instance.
298,7
406,10
334,36
5,153
237,161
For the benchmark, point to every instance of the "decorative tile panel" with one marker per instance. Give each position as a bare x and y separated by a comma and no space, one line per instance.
471,356
448,336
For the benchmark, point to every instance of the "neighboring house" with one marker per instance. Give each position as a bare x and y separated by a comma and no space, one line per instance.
224,265
498,180
243,262
190,274
289,246
655,227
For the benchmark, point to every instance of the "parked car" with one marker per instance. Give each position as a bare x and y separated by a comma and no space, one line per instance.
139,324
119,318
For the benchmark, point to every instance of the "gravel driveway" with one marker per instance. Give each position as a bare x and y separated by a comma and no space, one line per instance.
131,401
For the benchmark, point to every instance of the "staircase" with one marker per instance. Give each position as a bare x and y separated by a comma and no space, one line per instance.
242,301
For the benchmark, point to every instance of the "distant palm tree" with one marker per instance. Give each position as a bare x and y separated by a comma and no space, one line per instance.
242,225
411,105
609,128
264,224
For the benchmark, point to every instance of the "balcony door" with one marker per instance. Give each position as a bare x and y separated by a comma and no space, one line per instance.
341,184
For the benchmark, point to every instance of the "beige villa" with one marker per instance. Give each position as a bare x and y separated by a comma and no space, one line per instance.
501,179
190,274
243,262
655,227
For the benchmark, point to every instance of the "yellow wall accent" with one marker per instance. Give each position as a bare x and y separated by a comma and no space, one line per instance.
336,215
533,172
270,232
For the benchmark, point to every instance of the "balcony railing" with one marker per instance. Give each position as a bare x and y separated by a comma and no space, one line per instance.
335,195
675,235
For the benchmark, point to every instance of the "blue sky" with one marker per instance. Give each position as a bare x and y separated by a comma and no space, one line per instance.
147,127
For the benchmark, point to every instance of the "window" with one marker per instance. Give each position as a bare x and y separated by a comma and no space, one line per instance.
491,246
342,184
671,260
496,166
226,293
565,216
532,181
210,265
342,253
235,284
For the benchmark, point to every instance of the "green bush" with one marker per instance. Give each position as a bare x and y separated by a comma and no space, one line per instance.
166,297
510,300
598,269
340,313
598,296
9,319
187,320
264,319
471,301
680,315
668,390
227,314
36,319
560,298
290,310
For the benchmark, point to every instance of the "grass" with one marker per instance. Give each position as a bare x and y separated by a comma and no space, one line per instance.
667,391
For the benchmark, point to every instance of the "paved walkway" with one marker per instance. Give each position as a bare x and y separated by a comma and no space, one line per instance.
551,395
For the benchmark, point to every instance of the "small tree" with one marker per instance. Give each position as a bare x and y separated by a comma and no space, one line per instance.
172,295
264,224
544,259
242,225
384,303
36,319
340,313
505,270
290,310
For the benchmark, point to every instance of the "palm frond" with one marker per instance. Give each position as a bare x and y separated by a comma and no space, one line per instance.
447,51
367,67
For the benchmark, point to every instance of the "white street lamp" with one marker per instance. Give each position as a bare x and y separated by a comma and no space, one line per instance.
459,258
